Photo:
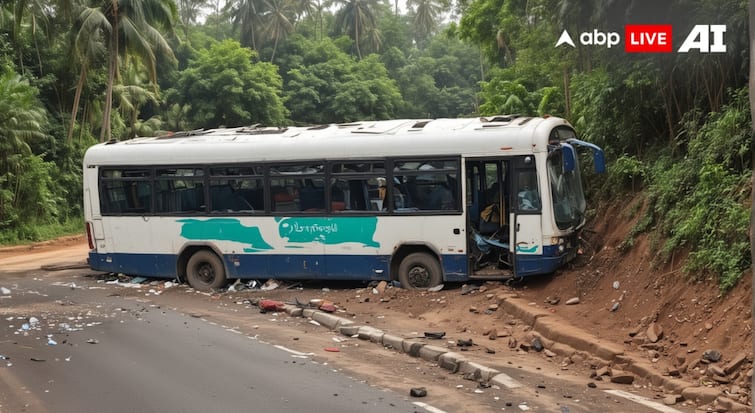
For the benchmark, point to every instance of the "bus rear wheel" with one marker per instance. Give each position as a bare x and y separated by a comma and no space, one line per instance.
205,271
419,270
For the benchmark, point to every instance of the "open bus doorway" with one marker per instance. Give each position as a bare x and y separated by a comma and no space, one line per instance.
488,209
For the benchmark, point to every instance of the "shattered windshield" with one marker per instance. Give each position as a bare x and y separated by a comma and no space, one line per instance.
566,192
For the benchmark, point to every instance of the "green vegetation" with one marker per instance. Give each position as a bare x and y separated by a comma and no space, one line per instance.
675,127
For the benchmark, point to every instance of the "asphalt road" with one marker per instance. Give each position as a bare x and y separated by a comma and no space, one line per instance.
121,349
91,351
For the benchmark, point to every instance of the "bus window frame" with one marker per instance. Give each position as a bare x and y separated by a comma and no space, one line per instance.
326,174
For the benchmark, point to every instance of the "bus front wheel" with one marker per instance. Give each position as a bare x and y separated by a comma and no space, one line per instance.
205,271
419,270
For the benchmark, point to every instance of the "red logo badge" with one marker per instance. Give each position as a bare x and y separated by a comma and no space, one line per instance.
647,38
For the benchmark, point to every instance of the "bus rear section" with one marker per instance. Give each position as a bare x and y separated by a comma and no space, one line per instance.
212,223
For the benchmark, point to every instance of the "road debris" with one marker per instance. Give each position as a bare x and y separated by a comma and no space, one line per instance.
270,285
271,305
418,392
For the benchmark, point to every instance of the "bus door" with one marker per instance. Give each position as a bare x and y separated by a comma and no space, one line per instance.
488,209
526,212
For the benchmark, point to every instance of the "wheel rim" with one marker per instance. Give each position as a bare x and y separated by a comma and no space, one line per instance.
206,273
419,276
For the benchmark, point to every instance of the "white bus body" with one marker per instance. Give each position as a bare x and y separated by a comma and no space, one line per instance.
350,201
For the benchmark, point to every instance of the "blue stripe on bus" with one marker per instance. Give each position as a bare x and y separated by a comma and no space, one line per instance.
549,262
256,266
147,265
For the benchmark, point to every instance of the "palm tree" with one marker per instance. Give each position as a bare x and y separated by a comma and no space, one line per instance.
247,14
426,13
188,11
132,95
22,119
37,13
128,27
21,116
277,24
88,49
312,9
356,17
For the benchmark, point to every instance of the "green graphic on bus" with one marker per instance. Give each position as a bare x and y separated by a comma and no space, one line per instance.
528,249
329,230
224,229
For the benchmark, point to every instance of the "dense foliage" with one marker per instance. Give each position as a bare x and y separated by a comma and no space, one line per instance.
675,126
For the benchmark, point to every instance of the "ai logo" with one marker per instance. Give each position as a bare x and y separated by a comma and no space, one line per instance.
698,38
653,38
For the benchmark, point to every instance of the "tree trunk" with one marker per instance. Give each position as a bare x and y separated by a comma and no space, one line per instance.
76,100
275,47
356,35
105,133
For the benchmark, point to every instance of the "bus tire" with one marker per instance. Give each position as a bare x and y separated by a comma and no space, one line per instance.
205,271
419,271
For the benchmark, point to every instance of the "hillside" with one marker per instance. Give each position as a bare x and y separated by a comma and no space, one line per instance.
693,315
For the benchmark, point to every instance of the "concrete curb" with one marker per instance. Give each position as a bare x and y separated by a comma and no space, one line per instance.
568,341
549,327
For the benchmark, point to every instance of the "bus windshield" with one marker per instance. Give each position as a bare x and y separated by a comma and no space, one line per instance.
566,192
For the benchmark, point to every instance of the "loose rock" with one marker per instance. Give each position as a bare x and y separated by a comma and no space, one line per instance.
418,392
654,332
572,301
714,370
672,399
622,378
712,355
735,363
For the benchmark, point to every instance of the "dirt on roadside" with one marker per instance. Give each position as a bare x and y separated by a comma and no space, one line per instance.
621,296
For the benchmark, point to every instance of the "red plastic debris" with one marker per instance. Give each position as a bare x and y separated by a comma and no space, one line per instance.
271,305
332,349
328,308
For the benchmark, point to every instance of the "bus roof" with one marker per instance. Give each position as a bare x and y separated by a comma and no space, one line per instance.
482,136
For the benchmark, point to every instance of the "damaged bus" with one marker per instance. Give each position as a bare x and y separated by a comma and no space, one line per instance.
418,201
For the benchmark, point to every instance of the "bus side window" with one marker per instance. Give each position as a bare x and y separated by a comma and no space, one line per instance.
114,197
311,195
338,195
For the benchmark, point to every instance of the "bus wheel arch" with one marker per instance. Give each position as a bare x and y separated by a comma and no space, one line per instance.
416,267
202,268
